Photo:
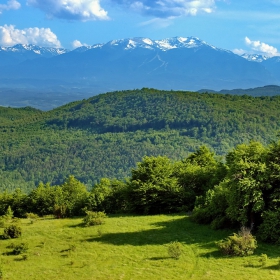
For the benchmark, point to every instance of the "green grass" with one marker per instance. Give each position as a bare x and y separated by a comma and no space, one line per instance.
128,247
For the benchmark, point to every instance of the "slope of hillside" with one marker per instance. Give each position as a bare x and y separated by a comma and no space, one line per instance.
106,135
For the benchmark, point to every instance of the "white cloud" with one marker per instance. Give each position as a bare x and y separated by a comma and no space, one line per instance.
169,8
11,5
10,36
261,47
77,44
83,10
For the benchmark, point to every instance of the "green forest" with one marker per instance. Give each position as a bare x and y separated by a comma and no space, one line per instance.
106,135
243,191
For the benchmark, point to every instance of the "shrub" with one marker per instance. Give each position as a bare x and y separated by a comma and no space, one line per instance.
263,259
12,231
32,216
21,248
9,213
175,249
94,218
241,244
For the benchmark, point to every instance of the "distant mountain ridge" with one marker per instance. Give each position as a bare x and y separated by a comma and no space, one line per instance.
177,63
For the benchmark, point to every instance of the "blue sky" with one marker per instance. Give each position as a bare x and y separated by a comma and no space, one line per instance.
251,26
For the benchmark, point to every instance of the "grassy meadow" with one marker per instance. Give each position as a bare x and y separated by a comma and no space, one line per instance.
129,247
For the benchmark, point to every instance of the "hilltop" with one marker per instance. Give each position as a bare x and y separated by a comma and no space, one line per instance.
106,135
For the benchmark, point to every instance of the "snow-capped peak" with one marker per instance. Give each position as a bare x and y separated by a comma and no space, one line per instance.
180,42
254,57
164,45
43,51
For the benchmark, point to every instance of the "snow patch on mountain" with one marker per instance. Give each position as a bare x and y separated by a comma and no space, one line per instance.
254,57
43,51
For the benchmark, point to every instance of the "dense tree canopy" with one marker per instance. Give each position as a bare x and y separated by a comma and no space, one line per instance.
106,135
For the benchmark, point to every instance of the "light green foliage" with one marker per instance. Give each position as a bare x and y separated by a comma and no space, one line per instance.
153,187
130,247
32,216
175,249
12,231
74,196
94,218
109,196
9,213
42,199
247,182
241,244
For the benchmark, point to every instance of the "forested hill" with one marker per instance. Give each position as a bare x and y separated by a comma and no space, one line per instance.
106,135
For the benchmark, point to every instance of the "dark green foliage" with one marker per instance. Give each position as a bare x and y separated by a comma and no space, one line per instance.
20,248
269,230
60,211
210,209
94,218
241,244
12,231
105,136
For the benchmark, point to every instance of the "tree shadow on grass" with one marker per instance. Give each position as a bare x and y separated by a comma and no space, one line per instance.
159,258
181,230
272,267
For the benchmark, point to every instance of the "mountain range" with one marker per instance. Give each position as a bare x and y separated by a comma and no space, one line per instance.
174,64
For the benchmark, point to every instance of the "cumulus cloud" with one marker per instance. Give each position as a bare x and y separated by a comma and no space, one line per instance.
261,47
10,5
77,44
10,36
83,10
169,8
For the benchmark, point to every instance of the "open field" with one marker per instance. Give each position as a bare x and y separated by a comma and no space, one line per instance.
129,247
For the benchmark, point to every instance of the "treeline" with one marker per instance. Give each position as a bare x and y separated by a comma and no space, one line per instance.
244,190
106,135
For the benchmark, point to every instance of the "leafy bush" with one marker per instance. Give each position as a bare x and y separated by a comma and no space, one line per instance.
21,248
32,216
9,213
263,259
94,218
175,249
241,244
12,231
